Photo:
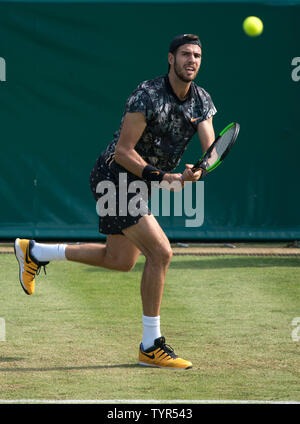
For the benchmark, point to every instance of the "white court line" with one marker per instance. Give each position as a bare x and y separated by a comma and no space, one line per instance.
142,401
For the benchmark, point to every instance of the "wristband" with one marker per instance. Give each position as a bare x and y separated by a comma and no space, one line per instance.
152,174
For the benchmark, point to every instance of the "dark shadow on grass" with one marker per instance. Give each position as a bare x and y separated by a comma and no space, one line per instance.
10,359
138,268
80,368
218,262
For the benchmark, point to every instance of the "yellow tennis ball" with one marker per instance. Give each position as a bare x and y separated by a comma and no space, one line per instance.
253,26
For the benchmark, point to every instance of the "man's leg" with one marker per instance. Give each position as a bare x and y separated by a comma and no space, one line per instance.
150,239
118,253
121,253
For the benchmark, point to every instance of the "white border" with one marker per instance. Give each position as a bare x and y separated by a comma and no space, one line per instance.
143,401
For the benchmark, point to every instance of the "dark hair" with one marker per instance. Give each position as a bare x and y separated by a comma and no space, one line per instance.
179,40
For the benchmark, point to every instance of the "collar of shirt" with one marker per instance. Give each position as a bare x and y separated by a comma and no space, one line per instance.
171,91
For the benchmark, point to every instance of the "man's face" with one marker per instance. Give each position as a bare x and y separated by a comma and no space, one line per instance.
187,60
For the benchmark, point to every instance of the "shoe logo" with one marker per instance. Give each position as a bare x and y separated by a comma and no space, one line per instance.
149,356
155,172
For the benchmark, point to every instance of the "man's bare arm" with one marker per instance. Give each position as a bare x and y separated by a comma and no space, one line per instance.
206,133
133,127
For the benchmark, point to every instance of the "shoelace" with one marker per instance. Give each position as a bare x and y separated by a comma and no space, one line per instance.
169,350
39,269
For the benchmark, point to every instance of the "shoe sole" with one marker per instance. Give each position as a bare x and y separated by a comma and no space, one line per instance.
144,364
17,254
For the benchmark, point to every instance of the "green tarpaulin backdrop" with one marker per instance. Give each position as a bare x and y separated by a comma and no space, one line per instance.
67,70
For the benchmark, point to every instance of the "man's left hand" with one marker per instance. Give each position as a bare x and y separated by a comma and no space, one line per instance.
189,175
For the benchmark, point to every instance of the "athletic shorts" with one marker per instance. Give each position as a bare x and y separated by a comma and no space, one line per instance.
116,207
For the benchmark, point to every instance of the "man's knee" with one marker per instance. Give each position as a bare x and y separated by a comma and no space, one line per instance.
167,255
161,255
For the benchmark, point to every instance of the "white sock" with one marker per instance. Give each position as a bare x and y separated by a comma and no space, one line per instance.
49,252
151,331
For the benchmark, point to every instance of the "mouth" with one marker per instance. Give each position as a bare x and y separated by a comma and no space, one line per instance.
189,69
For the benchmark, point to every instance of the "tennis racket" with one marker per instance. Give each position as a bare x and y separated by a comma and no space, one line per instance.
218,150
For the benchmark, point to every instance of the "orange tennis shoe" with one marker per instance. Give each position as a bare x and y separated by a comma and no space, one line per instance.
29,266
162,355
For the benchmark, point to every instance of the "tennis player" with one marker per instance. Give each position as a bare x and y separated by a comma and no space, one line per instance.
160,118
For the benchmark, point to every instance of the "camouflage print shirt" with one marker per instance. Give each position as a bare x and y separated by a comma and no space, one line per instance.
171,123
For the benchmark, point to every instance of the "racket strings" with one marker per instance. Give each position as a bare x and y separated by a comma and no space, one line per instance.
221,146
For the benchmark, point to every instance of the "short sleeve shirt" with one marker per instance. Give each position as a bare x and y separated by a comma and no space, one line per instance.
171,123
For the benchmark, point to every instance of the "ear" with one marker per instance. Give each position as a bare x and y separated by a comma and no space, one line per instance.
171,58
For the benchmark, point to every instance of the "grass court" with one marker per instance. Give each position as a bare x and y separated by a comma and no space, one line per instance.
77,337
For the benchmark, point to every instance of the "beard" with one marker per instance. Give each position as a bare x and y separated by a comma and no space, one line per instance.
180,74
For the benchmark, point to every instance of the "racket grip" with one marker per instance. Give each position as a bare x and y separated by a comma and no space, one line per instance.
204,171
